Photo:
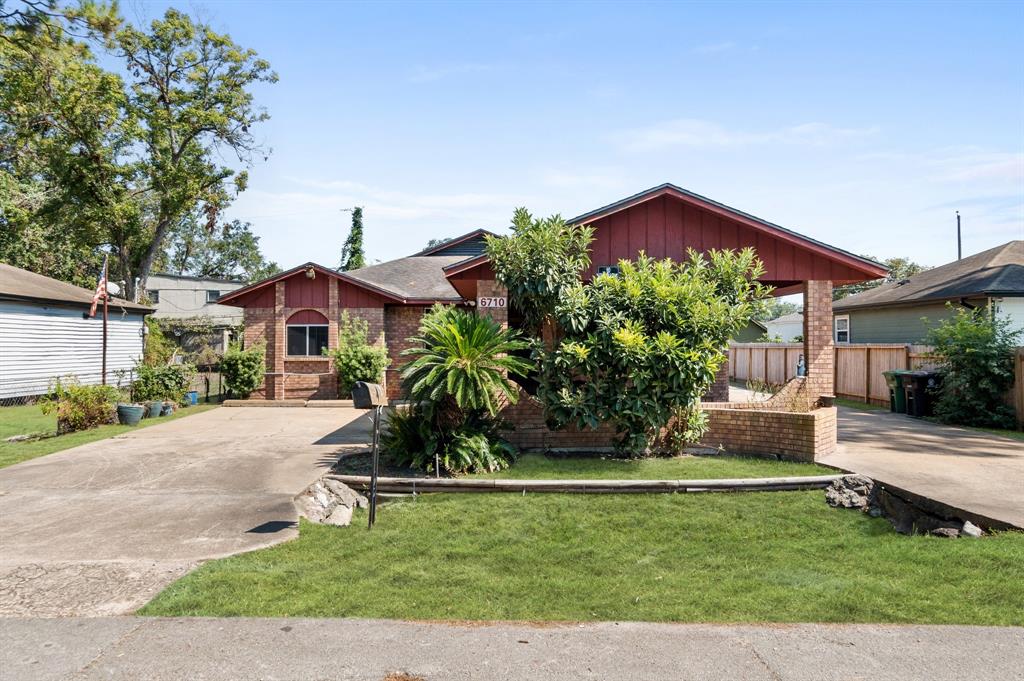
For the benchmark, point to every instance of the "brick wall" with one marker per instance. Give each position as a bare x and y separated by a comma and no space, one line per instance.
802,436
531,433
374,318
719,391
400,322
819,347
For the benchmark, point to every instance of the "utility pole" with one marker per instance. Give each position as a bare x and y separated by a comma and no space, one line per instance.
959,245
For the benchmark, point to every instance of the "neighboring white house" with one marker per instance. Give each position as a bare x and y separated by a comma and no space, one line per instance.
178,296
787,327
46,333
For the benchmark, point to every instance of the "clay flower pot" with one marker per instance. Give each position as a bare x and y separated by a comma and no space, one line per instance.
130,414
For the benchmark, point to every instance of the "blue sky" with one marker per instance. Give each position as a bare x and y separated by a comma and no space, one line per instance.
863,125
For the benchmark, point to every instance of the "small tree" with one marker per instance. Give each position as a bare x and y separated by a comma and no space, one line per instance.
243,370
976,351
352,256
354,358
540,263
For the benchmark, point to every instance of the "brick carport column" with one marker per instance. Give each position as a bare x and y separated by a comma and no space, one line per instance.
275,360
492,289
819,348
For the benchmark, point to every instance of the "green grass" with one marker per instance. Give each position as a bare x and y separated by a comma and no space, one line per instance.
30,419
540,467
750,557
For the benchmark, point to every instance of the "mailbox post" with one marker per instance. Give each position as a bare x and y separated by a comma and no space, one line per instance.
371,396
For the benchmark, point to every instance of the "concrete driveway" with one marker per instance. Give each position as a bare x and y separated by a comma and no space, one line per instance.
975,472
101,528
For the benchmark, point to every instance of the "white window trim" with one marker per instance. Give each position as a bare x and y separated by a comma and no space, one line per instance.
835,328
306,327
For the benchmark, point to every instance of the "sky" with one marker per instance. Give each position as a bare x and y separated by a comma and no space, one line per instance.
863,125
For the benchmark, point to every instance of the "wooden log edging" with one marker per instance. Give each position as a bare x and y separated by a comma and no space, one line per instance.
475,485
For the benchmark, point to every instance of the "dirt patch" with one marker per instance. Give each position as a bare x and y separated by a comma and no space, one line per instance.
402,676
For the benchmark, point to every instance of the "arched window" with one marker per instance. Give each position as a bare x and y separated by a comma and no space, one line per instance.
307,333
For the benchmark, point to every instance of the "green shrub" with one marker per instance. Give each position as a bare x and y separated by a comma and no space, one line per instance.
457,379
355,359
80,407
476,446
243,370
168,382
976,354
159,349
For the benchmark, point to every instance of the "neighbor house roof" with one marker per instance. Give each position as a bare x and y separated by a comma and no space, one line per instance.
866,265
416,278
791,318
998,271
189,277
22,285
470,244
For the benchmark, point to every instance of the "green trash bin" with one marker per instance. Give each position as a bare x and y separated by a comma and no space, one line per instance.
897,390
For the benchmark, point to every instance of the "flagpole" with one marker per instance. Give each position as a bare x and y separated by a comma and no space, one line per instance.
105,338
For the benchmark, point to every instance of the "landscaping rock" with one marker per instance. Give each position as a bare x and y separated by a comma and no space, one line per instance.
329,502
950,532
971,530
851,491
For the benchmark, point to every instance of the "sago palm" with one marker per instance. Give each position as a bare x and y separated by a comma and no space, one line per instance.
461,363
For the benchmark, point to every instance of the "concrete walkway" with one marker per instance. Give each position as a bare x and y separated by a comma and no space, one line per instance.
371,650
978,473
101,528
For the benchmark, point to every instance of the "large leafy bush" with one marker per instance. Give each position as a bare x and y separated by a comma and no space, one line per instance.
80,407
243,370
457,381
640,349
637,350
355,359
169,382
976,353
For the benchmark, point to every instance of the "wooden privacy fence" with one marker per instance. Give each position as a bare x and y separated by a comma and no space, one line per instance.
858,366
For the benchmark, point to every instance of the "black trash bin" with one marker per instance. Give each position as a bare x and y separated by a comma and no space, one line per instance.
921,387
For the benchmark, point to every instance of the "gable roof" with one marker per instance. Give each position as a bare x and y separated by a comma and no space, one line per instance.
418,278
22,285
467,245
998,271
791,318
869,267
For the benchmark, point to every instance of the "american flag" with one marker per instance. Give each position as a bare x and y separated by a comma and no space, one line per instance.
101,289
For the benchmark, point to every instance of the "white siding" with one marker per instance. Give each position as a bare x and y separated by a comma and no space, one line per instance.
787,330
1012,308
40,342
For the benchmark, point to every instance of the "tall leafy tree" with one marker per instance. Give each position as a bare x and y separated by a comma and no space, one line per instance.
230,251
352,255
122,159
899,269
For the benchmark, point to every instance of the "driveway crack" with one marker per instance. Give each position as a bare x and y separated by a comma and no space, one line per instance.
112,646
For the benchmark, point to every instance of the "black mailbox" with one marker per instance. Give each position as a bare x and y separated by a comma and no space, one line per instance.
368,395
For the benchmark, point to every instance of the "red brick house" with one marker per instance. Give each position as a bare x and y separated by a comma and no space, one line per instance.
297,312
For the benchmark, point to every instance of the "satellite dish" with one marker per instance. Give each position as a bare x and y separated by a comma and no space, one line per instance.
113,288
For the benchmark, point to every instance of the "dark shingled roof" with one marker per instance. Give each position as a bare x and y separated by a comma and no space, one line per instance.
418,277
19,284
998,271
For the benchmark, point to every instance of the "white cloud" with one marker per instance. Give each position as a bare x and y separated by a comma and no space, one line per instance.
692,132
596,178
978,165
715,48
426,74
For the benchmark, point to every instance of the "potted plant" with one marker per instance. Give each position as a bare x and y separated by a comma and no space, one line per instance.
130,413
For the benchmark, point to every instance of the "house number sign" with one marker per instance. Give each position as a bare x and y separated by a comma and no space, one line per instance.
491,301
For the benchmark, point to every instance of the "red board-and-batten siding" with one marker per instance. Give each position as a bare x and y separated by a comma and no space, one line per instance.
665,227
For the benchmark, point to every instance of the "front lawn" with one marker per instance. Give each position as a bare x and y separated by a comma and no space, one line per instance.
30,419
743,557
